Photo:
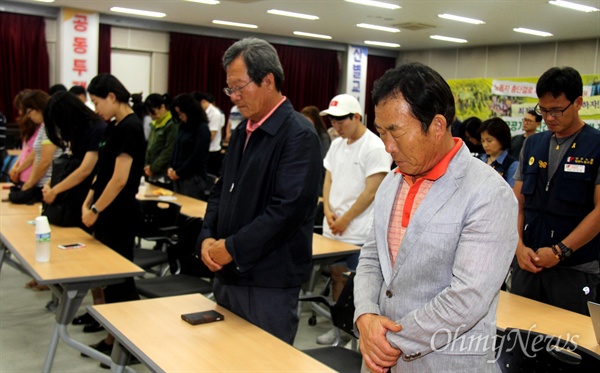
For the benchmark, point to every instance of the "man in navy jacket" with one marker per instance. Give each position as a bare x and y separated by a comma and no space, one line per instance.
257,232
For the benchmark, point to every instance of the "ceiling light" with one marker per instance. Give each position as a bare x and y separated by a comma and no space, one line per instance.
379,4
207,2
310,35
461,19
235,24
45,1
137,12
380,28
532,32
382,44
291,14
447,38
574,6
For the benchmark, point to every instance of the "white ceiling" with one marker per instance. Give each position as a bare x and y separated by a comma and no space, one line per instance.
338,19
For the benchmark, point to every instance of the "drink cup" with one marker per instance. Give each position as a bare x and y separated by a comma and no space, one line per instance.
42,225
42,239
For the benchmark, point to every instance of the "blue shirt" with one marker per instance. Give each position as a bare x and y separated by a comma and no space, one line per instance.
509,175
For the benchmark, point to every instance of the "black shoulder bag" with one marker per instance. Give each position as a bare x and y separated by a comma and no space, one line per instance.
65,211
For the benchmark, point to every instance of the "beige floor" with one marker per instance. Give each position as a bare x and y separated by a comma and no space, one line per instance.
26,327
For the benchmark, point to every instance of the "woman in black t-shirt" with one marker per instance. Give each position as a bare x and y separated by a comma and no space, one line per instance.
111,208
71,124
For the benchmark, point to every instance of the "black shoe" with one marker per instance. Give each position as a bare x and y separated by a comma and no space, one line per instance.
93,327
84,319
102,347
133,360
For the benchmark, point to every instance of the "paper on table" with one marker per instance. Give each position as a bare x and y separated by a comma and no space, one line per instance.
167,198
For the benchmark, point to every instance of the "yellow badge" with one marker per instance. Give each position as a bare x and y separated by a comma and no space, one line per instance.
531,161
543,164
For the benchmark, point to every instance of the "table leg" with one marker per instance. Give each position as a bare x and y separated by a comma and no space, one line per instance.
5,256
120,358
51,350
72,297
3,252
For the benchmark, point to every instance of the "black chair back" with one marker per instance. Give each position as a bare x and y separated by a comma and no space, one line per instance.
156,216
184,252
520,350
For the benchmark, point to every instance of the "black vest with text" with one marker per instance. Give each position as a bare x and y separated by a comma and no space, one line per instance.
553,208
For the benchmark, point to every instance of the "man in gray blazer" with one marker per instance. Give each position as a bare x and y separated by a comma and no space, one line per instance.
443,237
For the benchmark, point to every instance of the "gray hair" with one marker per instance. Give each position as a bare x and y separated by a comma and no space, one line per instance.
260,58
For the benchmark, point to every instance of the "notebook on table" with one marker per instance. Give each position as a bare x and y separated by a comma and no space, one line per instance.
595,315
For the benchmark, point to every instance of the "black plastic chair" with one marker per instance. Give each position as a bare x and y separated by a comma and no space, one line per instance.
159,225
342,315
192,275
519,350
319,216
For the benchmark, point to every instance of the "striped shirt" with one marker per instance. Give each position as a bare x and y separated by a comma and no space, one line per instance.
409,197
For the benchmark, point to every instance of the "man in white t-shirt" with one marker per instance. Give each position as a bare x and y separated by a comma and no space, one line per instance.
216,122
355,165
235,118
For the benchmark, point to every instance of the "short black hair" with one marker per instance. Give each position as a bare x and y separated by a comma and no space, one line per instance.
497,128
559,80
423,88
155,101
473,127
56,88
104,83
538,118
188,105
77,90
199,96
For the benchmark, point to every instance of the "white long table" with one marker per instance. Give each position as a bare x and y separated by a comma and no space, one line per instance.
69,273
153,331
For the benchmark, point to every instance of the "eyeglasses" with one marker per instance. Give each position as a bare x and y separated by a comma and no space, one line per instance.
229,91
555,113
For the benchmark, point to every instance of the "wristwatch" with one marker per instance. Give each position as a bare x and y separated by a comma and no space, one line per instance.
563,251
94,209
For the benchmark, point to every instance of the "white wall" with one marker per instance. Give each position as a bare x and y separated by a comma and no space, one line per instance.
132,68
510,61
156,44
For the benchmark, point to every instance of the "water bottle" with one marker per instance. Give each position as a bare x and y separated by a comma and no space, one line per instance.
142,188
42,239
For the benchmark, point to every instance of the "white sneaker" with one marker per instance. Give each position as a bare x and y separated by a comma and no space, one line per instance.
329,338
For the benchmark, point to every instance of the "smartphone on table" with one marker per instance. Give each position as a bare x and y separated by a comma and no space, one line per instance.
203,317
71,246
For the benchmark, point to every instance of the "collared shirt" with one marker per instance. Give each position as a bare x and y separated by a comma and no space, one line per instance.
409,197
251,126
509,174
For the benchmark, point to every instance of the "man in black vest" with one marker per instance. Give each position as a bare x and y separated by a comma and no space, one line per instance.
558,188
